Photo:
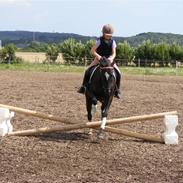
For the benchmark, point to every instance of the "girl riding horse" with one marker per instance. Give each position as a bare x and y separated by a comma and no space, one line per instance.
105,46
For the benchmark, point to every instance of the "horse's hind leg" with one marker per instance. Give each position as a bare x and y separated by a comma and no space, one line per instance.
89,109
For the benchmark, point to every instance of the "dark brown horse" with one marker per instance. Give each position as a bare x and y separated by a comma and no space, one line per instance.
101,88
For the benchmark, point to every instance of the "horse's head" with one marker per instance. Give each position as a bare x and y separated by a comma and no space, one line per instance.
105,63
107,75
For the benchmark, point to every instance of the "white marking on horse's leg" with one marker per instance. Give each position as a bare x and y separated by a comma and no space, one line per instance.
104,120
93,110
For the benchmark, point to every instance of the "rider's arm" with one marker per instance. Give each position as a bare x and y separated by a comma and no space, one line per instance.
94,52
113,55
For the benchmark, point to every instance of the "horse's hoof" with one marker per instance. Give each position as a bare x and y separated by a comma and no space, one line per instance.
90,132
101,134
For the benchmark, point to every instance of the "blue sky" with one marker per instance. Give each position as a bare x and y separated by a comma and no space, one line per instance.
86,17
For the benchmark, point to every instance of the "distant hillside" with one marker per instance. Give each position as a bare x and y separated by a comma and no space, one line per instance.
156,38
24,38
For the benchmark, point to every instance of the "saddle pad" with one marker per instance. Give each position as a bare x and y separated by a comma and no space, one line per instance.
92,71
94,68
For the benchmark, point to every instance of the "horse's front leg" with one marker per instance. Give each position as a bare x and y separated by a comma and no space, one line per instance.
105,109
91,109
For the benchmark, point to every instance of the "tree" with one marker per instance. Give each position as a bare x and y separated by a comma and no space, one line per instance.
3,55
88,47
52,53
7,54
145,52
175,52
36,46
162,54
73,52
124,51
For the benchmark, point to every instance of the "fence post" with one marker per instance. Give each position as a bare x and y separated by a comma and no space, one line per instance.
85,61
9,60
138,62
177,66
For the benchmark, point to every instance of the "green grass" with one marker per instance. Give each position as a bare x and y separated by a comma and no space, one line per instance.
164,71
41,67
79,69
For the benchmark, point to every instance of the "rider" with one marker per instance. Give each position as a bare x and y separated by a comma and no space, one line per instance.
105,46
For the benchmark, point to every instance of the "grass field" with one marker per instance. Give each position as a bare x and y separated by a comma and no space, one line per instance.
153,71
34,57
65,68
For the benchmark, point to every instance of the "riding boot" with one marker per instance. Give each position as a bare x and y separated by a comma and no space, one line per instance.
86,78
118,81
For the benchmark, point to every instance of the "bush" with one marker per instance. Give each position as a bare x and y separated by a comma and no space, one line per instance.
18,60
7,54
52,53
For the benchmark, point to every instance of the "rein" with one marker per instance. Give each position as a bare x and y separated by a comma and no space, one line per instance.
107,68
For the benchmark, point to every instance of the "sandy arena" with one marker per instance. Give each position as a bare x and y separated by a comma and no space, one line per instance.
75,157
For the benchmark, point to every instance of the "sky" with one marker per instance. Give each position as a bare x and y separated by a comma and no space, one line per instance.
86,17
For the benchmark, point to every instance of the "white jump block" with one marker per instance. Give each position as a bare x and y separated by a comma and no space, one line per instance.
5,124
170,136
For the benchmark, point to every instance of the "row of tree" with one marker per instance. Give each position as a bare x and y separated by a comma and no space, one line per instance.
76,52
149,54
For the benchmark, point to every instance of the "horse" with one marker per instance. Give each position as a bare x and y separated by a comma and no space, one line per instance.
101,87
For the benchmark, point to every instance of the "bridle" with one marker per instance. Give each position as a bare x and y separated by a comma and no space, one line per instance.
107,68
111,67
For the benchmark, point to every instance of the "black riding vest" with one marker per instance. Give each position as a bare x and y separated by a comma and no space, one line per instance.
105,48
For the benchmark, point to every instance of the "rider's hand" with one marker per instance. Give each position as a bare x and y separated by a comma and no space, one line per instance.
99,58
110,59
